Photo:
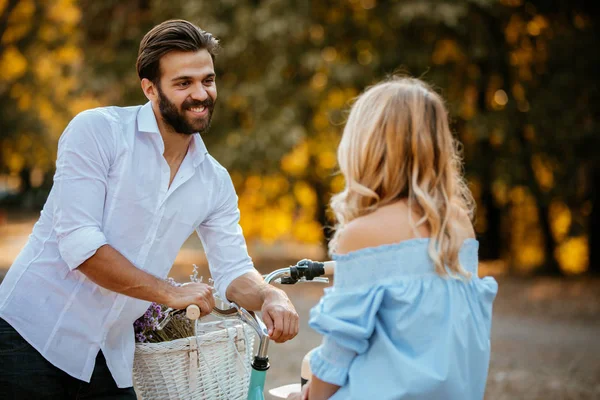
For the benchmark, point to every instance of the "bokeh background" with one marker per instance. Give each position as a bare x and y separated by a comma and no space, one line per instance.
521,80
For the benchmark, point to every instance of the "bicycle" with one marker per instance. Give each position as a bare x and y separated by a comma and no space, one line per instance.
303,271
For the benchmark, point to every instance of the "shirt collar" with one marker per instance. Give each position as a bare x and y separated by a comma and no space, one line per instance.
198,149
146,121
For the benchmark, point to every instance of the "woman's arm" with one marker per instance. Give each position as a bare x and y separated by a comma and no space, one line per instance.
315,389
321,390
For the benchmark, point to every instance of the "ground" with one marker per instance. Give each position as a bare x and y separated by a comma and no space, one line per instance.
545,331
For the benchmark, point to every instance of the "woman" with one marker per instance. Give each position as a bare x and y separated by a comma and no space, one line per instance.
407,316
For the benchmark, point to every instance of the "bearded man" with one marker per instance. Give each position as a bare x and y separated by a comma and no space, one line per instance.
131,185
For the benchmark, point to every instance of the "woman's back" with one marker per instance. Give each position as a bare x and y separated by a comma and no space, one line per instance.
409,332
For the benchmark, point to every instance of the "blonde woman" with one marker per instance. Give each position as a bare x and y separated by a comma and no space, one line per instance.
407,317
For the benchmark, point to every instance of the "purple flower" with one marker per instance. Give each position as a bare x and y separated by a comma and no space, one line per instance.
148,323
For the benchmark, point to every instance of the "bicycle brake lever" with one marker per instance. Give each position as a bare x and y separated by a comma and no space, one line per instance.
318,279
255,323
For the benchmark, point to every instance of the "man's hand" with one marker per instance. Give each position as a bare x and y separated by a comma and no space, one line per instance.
279,315
251,292
199,294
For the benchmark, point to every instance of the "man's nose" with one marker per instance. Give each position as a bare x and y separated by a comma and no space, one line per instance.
199,93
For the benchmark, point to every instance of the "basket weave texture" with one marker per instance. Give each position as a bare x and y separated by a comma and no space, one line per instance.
213,365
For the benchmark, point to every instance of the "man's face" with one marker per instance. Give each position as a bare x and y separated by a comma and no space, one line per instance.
187,91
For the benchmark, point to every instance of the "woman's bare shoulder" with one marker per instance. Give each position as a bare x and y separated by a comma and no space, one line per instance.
387,225
465,224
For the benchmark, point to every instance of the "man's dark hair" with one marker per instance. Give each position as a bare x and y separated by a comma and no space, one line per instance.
176,34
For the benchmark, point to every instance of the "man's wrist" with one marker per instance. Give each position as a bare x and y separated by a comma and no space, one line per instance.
268,292
167,294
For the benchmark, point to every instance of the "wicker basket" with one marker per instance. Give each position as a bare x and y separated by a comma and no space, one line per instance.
213,365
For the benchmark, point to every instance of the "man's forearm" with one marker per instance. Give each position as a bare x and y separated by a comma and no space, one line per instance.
249,291
253,293
110,269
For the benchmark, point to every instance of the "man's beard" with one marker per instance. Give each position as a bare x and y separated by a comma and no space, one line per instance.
177,118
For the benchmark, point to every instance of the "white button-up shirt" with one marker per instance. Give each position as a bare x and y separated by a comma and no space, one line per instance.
112,187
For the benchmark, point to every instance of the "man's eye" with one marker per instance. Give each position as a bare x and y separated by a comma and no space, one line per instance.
209,81
184,84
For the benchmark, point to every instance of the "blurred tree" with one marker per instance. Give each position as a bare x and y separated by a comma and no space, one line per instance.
520,79
39,90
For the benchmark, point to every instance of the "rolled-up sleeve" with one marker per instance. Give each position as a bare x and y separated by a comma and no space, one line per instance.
346,319
85,151
223,240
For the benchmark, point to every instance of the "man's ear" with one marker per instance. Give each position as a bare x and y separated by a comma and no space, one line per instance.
149,89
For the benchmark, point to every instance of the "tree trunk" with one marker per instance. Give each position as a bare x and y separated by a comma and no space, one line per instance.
491,239
594,224
551,266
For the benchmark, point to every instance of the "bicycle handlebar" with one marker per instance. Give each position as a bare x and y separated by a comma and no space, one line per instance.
304,270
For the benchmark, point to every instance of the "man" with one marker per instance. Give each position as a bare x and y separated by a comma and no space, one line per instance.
131,185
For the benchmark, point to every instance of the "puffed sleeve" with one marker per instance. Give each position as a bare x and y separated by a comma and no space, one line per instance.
346,319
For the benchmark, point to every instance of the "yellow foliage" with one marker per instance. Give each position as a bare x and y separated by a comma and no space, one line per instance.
496,137
526,237
329,54
500,191
45,69
514,28
15,162
537,25
469,104
24,101
19,21
318,81
296,161
65,11
560,219
308,231
529,255
327,160
320,121
572,255
274,185
253,182
69,54
543,172
517,195
447,51
336,98
45,109
48,33
14,32
274,224
305,194
12,64
287,203
83,103
337,183
237,101
24,143
365,57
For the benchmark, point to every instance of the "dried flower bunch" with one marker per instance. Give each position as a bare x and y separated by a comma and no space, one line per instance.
146,327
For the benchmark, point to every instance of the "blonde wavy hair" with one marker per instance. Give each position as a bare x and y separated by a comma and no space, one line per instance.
397,145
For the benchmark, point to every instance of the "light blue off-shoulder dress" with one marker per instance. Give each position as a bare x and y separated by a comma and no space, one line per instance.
394,329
